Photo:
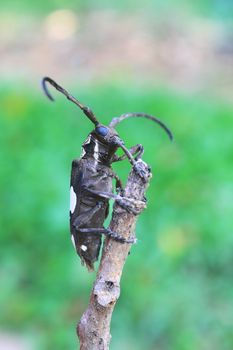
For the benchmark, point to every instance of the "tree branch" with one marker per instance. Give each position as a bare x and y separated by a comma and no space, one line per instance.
94,327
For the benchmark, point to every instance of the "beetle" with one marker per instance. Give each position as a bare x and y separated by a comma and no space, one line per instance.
91,180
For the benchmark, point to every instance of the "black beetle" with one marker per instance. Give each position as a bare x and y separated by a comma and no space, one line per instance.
91,180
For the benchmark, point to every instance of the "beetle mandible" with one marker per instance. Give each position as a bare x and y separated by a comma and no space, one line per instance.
91,180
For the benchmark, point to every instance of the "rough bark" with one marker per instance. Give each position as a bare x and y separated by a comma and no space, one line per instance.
94,327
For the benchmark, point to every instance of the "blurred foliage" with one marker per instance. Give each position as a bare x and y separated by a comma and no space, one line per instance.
177,285
220,9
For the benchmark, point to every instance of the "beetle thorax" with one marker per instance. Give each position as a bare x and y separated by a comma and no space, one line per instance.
100,152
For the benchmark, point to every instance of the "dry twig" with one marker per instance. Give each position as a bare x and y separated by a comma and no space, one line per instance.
94,327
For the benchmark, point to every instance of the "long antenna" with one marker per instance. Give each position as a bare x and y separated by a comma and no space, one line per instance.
87,111
118,120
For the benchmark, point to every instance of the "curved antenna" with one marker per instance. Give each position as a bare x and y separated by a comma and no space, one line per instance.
116,121
87,111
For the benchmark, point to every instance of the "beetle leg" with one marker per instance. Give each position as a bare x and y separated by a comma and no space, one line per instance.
108,232
135,163
119,185
131,205
137,149
140,152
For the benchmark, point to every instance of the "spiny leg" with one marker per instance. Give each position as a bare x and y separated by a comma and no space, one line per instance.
109,233
134,162
129,204
137,149
83,219
119,185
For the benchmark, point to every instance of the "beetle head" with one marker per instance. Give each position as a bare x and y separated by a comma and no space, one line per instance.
106,135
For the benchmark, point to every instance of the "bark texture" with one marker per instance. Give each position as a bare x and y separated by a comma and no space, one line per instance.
94,327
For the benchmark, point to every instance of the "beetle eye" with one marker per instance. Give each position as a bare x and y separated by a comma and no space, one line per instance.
101,130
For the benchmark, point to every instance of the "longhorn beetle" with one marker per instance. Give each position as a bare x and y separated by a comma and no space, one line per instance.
91,180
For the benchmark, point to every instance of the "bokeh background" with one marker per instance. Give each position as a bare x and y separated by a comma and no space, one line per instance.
173,59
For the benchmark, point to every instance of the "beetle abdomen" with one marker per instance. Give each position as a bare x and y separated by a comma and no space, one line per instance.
87,210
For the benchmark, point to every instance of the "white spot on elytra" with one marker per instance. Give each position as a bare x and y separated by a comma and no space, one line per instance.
83,247
73,200
73,241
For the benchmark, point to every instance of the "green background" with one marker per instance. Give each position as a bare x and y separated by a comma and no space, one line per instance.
177,290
